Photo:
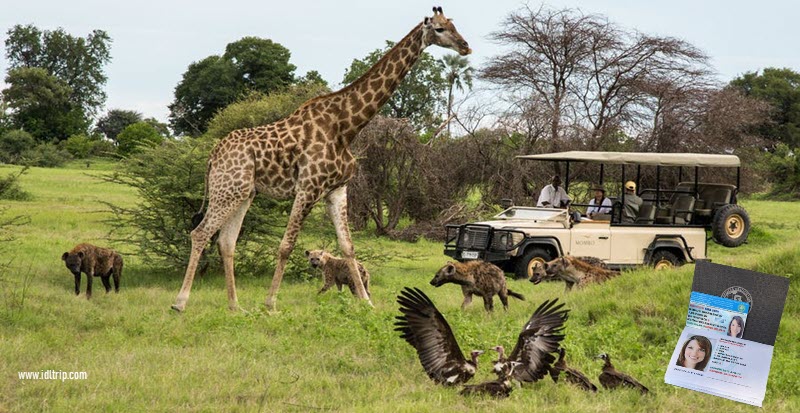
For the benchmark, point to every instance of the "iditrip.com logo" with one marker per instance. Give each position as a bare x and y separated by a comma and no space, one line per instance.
739,294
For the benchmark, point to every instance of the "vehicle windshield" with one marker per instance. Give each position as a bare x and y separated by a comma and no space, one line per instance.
539,214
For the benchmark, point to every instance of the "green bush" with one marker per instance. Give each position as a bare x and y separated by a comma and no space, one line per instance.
783,166
258,109
82,146
46,155
13,143
137,136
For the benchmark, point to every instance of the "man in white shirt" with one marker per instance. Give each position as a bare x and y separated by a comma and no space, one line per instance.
554,195
600,204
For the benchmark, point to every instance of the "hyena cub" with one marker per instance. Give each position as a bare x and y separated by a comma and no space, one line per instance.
94,262
335,270
476,277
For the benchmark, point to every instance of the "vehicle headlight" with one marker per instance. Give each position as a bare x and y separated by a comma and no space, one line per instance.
504,239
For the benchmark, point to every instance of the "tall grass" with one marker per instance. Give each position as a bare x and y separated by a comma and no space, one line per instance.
331,352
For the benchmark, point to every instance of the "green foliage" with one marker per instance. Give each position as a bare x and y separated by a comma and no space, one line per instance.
82,146
76,61
137,136
10,188
250,64
115,121
41,104
46,155
13,143
783,166
257,109
781,89
419,97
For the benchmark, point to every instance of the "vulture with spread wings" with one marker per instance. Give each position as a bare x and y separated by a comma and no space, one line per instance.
539,338
425,328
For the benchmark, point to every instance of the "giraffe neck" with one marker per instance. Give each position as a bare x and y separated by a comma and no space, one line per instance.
365,96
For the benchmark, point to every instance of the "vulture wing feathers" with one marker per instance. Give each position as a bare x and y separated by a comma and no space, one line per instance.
540,336
424,327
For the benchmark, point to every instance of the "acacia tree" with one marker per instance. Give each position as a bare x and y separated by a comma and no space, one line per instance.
586,75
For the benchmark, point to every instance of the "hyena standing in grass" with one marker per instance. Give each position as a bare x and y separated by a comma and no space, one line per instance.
476,277
94,262
335,271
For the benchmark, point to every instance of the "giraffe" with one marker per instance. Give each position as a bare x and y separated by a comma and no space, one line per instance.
305,156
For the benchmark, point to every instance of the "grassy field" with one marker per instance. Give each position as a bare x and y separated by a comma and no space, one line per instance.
329,352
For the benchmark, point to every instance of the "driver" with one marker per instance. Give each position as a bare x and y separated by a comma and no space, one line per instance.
554,195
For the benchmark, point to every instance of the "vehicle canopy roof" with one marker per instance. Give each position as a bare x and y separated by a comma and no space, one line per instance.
640,158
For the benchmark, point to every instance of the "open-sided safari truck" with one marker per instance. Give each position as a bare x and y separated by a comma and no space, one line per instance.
670,228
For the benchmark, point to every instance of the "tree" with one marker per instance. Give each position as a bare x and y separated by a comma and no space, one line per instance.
76,61
115,121
588,76
250,64
418,98
458,73
40,104
781,89
136,136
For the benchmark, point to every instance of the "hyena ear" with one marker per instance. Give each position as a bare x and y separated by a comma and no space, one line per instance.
308,253
451,269
80,255
64,256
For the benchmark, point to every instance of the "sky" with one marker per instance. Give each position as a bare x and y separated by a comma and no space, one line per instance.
155,41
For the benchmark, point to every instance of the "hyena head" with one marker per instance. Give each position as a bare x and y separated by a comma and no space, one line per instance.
549,270
444,275
73,261
317,258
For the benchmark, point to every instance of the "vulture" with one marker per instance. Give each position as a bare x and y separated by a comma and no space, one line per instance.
572,376
539,337
425,328
610,378
499,388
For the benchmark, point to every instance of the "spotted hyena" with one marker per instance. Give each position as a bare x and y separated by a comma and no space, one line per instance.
476,277
335,271
94,262
573,271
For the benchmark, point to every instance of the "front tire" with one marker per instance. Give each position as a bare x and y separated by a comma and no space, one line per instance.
665,260
731,226
525,263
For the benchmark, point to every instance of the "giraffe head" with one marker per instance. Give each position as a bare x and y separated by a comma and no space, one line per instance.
439,30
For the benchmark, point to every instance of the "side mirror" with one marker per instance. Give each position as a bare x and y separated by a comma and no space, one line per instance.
506,203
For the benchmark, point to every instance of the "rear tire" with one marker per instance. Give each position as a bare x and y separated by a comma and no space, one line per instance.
525,263
731,225
665,260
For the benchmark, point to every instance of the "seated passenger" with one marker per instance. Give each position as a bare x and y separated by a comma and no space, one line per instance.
554,195
630,209
600,204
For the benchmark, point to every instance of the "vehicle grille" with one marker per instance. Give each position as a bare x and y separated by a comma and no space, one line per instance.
474,238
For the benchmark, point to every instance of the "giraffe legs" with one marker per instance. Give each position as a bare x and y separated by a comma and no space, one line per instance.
303,203
337,209
217,214
227,244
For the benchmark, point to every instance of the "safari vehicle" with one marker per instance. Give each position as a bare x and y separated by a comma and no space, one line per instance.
670,229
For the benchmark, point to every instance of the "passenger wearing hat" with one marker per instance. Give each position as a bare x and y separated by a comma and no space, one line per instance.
632,203
600,204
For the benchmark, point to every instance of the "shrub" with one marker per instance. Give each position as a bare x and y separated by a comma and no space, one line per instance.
10,189
783,166
137,136
46,155
13,143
